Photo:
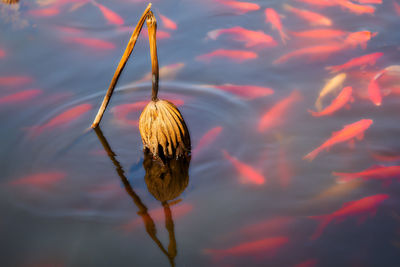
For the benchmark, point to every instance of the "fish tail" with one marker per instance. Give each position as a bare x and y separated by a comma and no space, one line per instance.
333,69
318,104
311,156
33,131
324,220
343,177
313,113
284,36
214,34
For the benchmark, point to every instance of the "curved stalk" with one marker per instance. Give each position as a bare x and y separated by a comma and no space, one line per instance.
152,27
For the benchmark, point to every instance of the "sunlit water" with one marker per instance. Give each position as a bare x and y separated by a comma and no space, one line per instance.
63,203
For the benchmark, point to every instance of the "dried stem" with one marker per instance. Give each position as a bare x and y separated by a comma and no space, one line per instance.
121,65
152,27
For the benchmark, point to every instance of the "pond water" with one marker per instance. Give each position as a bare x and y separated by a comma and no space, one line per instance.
255,196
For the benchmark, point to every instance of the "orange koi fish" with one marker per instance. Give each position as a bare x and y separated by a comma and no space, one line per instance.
168,23
157,215
359,38
20,96
44,12
91,43
376,172
369,59
207,139
355,8
246,91
362,208
396,7
109,15
248,174
336,191
384,157
273,17
374,92
319,3
274,116
322,51
312,17
342,99
64,118
369,1
42,180
250,38
268,246
349,132
240,7
307,263
235,55
320,34
15,80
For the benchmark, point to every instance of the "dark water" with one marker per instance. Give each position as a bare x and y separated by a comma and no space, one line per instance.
250,195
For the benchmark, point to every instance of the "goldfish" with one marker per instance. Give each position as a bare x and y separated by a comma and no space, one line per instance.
274,116
362,207
207,139
384,173
342,99
62,119
349,132
20,96
312,17
338,190
109,15
385,157
168,72
41,180
359,38
369,59
44,12
312,51
91,43
328,88
168,23
355,8
250,38
157,215
369,1
307,263
393,70
240,7
374,92
319,3
246,91
320,34
248,173
235,55
396,7
264,246
15,80
273,17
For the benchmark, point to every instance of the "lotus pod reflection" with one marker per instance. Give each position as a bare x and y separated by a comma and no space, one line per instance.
10,2
166,181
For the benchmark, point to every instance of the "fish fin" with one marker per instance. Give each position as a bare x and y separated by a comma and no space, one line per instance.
360,136
351,143
324,220
318,104
214,34
361,219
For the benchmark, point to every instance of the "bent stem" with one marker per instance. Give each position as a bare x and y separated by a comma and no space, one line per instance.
121,65
152,27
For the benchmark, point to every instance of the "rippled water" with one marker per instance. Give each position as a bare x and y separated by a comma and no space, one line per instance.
252,199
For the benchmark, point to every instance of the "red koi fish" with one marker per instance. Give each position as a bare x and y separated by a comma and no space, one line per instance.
15,80
109,15
321,51
274,116
64,118
396,7
248,174
313,18
168,23
308,263
369,59
355,8
268,246
320,34
369,1
42,180
246,91
44,12
384,173
91,43
240,7
157,215
235,55
250,38
349,132
319,3
359,38
273,17
385,157
20,96
340,101
207,139
362,208
374,92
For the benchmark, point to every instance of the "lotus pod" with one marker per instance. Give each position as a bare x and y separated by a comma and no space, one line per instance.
163,130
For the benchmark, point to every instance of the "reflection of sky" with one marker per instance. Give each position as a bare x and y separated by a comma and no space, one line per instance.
76,220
